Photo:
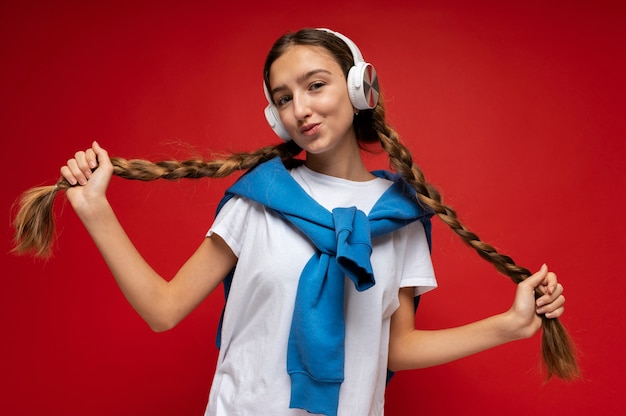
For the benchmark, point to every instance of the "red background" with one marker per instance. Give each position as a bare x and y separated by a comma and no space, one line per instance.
515,111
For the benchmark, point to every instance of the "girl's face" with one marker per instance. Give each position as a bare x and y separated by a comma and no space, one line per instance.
310,92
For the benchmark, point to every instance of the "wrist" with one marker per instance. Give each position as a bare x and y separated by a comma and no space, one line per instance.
93,209
516,327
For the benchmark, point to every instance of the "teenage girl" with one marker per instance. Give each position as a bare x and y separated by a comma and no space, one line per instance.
322,260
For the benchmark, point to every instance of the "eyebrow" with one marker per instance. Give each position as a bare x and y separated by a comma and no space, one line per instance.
301,79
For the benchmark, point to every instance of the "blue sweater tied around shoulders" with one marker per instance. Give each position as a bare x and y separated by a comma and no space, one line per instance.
315,351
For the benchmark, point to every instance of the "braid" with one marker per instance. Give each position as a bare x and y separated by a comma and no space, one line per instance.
144,170
34,221
557,347
429,196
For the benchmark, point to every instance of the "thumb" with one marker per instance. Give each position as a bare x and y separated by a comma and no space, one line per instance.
537,278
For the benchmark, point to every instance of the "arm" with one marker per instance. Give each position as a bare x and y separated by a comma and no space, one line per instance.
410,348
162,304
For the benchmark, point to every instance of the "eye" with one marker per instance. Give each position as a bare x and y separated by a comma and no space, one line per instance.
316,85
282,100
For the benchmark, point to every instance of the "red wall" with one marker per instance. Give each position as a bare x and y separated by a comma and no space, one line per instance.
515,111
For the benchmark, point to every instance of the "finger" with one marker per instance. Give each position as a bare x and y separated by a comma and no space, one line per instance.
84,160
552,304
75,169
101,154
556,313
83,163
68,175
91,159
549,284
554,309
550,297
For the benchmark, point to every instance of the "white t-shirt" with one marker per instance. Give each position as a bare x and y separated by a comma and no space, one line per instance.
251,376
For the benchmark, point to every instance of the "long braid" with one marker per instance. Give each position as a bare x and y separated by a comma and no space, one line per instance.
557,347
219,168
34,221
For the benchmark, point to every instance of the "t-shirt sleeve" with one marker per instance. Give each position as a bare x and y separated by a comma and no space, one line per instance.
417,267
230,223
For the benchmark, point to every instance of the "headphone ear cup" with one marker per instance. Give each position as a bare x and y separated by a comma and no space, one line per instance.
271,115
363,86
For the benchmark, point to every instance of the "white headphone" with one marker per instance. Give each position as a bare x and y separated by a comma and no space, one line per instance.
362,88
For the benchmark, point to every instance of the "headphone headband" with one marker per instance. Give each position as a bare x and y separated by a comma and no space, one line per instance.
357,56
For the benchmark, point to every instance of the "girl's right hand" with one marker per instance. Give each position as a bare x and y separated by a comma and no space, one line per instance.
525,310
89,173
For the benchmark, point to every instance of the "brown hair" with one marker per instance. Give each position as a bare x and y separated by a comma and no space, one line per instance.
35,227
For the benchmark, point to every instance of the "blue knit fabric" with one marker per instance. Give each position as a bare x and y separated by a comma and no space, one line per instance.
315,355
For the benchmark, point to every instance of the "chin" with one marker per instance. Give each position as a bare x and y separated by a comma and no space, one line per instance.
313,146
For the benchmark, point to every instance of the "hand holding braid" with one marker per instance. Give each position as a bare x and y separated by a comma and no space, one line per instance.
34,222
557,347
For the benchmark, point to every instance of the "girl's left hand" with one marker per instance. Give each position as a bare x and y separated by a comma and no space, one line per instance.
526,309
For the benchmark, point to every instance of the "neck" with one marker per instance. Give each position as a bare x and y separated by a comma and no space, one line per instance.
345,163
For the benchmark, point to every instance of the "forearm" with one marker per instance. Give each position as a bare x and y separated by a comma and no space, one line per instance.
144,289
420,348
411,348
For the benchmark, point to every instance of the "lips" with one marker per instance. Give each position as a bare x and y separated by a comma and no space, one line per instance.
309,129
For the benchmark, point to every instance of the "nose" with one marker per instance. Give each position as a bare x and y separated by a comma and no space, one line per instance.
301,108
